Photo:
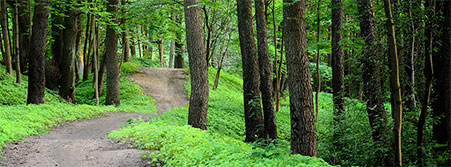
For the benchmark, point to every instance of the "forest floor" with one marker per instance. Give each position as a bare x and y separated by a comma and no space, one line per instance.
85,142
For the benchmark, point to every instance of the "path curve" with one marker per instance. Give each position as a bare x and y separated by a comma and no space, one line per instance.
85,144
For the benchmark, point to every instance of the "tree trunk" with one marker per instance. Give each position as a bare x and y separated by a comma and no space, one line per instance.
171,54
395,85
161,53
198,106
303,130
371,72
113,71
36,79
428,72
24,34
266,86
67,67
251,77
95,57
6,39
337,57
441,106
125,46
85,51
318,59
16,43
77,49
179,61
102,69
133,47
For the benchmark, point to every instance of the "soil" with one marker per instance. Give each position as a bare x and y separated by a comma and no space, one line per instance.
84,143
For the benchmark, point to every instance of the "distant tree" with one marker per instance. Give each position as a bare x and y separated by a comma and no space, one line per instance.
24,33
198,104
266,86
36,79
303,130
6,37
112,67
16,43
251,76
125,38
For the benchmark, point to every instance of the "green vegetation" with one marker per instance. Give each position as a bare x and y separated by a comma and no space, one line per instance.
18,120
222,144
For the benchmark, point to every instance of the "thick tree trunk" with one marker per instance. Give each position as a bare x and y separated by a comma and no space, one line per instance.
251,77
67,66
36,79
266,86
6,39
198,106
113,71
303,130
24,34
441,106
337,58
371,72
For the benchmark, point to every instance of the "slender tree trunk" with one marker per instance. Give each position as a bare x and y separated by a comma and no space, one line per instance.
441,106
6,39
95,65
77,49
179,61
266,86
36,79
113,71
303,130
318,58
429,73
133,47
24,33
395,85
125,46
140,50
101,75
251,78
371,73
67,66
16,42
171,54
218,72
161,53
85,54
198,106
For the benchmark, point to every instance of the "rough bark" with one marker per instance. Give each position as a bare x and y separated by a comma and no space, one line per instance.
198,104
6,39
112,67
36,79
371,72
67,66
251,77
337,57
24,34
303,130
266,86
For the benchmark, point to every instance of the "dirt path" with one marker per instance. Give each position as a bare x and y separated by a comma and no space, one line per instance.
85,144
166,86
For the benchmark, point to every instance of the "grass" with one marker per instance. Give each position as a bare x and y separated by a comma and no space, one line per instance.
222,144
18,120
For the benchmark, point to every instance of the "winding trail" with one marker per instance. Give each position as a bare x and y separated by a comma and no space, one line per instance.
84,143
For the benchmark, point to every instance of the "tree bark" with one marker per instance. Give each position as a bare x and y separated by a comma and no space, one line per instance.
179,61
36,79
303,130
113,71
16,43
125,46
395,85
251,77
161,53
24,34
337,58
6,39
198,105
266,87
171,54
318,59
67,67
371,72
428,72
85,49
